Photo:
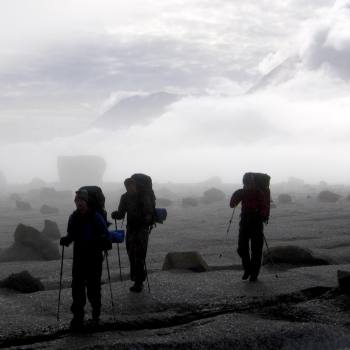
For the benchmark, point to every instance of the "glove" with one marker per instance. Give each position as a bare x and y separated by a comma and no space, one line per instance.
65,241
114,215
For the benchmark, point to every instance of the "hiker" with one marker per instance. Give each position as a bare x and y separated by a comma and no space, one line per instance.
139,207
88,230
254,212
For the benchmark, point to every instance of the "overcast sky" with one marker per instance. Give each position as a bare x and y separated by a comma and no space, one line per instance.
264,86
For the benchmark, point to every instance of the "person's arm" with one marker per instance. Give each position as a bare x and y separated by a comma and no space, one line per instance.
122,208
148,209
69,238
236,198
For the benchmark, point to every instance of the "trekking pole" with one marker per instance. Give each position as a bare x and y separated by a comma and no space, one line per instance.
59,292
110,285
120,267
269,254
228,227
230,222
149,288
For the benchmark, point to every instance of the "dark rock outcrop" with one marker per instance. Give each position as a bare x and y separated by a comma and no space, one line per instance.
51,230
284,198
189,202
46,209
292,255
213,195
21,205
22,282
328,197
344,280
185,261
30,244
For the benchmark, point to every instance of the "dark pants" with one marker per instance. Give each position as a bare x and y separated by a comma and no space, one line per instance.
136,246
251,230
86,274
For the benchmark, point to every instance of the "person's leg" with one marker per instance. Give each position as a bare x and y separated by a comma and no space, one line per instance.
130,245
243,247
78,292
94,285
257,248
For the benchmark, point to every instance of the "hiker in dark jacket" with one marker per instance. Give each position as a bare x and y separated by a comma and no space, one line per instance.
251,229
88,230
139,211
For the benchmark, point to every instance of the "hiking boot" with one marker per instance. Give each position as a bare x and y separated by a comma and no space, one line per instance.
245,275
137,287
76,324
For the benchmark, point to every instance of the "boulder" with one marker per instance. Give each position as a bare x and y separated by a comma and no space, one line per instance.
213,195
328,197
21,205
292,255
46,209
284,198
348,198
22,282
185,261
164,202
344,280
51,230
30,244
189,202
15,197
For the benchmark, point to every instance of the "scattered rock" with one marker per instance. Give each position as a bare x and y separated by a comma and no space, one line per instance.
23,205
51,230
23,282
189,202
328,197
185,261
292,255
284,198
30,244
213,195
164,202
344,280
46,209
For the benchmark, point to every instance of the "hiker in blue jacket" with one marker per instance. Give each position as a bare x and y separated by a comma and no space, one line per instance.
88,230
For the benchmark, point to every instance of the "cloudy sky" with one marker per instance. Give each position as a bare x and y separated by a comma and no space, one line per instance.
263,86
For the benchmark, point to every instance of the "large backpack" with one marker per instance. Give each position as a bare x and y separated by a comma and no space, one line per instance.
96,199
262,182
144,188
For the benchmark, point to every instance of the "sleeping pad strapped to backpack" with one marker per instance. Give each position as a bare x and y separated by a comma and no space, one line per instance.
262,182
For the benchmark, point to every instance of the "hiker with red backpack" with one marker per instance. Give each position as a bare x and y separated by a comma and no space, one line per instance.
255,199
138,203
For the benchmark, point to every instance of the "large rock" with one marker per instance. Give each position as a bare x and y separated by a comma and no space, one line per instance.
284,198
78,171
185,261
51,230
23,282
292,255
30,244
189,202
328,197
48,210
21,205
213,195
344,280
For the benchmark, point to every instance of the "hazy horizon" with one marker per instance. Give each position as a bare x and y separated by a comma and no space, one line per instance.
257,87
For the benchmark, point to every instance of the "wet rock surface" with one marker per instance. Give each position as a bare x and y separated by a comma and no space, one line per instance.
301,309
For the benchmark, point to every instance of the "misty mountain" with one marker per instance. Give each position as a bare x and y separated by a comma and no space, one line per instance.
137,109
280,74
